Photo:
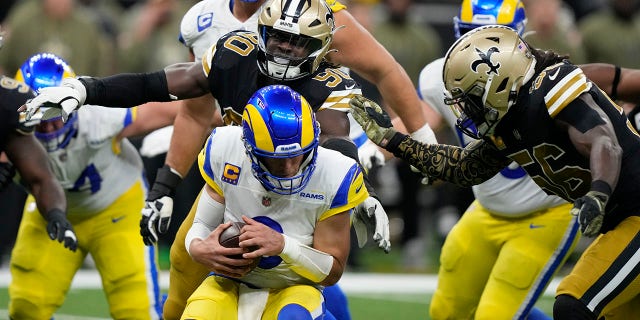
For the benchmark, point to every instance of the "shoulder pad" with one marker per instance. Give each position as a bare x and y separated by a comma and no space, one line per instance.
561,83
235,43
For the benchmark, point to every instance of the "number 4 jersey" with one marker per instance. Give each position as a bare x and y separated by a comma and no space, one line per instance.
95,168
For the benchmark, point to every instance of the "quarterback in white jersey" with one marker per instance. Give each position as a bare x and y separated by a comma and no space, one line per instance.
531,233
295,198
207,21
102,176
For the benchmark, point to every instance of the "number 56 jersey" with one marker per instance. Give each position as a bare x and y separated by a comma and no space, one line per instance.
335,186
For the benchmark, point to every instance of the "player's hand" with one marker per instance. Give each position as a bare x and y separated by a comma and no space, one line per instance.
590,211
156,214
59,228
374,121
370,155
7,171
58,101
370,219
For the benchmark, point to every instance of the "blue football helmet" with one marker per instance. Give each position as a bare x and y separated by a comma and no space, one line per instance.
477,13
279,123
47,70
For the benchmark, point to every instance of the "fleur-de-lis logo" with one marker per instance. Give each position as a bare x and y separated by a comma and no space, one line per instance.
485,58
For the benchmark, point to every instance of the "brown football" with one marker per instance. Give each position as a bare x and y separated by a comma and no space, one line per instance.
229,238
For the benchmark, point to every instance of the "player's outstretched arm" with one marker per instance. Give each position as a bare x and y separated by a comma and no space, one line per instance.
371,60
30,159
619,83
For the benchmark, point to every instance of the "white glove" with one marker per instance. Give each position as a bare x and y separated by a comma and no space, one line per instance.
156,217
370,155
58,101
369,218
426,136
156,214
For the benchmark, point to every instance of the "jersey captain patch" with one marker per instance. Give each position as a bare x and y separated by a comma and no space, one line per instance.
230,174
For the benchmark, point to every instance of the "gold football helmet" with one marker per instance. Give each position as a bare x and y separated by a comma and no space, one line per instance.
483,71
293,37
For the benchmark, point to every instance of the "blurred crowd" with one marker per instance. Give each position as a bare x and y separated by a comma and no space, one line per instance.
106,37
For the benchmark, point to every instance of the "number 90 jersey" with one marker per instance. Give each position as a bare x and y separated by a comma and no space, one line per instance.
231,68
336,185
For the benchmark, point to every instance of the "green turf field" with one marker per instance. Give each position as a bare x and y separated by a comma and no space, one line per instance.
90,304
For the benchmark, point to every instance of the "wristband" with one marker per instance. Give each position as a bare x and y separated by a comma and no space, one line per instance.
308,262
56,214
425,135
601,186
614,83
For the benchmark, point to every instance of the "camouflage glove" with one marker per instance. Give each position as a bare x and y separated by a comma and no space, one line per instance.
374,121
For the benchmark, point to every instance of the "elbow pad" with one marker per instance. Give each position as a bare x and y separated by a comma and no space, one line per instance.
306,261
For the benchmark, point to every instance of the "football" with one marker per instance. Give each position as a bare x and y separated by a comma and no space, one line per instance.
229,237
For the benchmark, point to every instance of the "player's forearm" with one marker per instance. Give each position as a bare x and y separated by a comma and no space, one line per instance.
605,161
399,94
187,139
462,166
127,90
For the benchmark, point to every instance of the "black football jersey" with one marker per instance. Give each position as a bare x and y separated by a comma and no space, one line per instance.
13,94
232,70
532,134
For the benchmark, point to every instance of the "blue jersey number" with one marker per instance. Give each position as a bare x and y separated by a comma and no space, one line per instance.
91,174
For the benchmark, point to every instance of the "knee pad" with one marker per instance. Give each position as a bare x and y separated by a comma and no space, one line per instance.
294,312
568,307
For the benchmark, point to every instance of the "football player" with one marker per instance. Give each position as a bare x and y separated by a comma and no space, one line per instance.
536,108
28,158
295,198
199,29
234,68
102,176
510,216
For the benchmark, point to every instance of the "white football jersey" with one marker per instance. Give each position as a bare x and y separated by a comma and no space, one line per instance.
93,168
207,21
510,193
335,186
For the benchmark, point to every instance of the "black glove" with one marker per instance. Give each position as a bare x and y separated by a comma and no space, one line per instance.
7,171
59,228
590,211
156,215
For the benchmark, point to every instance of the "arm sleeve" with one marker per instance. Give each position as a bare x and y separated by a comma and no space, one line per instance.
209,214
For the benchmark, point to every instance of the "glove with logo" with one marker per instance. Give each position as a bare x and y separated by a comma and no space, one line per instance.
590,211
156,214
369,218
59,101
374,121
7,171
59,228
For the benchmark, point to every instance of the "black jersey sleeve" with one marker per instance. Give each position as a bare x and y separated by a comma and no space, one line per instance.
13,94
